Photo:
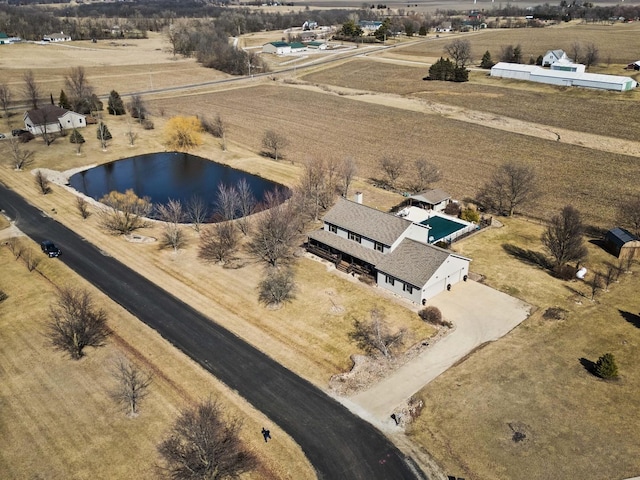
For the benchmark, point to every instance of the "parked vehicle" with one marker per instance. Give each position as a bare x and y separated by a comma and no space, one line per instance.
50,248
2,135
18,131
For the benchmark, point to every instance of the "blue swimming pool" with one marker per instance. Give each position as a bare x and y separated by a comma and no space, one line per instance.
441,227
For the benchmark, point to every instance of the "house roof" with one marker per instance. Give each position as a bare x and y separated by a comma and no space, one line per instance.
278,44
556,53
45,114
413,262
366,221
315,43
620,236
297,45
347,246
432,197
3,35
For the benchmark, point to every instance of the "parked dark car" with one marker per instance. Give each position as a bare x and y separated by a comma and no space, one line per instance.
50,248
18,131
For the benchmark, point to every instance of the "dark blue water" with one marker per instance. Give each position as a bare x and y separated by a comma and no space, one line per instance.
164,176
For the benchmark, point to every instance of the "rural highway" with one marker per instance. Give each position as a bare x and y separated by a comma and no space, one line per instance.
338,444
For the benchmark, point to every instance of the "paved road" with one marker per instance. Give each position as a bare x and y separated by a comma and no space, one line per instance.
338,444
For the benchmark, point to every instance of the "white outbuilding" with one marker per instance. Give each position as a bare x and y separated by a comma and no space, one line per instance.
278,48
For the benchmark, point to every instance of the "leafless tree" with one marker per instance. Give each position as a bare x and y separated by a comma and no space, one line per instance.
629,214
124,212
227,202
247,205
83,207
425,173
375,336
610,276
75,322
131,135
203,444
172,214
318,185
277,286
276,230
132,384
42,182
31,259
15,246
20,157
197,212
219,242
591,55
595,284
511,186
220,128
5,98
274,143
576,52
137,108
563,238
460,51
393,167
348,171
80,92
31,88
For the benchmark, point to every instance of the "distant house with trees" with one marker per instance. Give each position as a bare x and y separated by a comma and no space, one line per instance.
51,118
56,37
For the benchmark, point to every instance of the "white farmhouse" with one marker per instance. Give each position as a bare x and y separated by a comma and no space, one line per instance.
552,56
51,118
57,37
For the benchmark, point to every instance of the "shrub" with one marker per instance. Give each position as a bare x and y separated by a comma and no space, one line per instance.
26,137
147,124
452,209
3,296
442,244
606,367
433,316
470,215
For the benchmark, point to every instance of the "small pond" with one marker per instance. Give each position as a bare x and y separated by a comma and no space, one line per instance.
167,175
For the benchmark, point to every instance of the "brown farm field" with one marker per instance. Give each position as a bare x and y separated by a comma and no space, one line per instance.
361,108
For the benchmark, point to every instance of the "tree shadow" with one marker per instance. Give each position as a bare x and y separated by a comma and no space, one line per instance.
588,365
632,318
528,256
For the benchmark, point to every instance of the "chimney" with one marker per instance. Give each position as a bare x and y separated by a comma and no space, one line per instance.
358,197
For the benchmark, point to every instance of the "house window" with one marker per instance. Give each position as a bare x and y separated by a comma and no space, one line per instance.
407,288
355,237
333,229
378,246
389,279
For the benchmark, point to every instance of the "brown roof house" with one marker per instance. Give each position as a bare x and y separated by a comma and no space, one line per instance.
51,119
393,250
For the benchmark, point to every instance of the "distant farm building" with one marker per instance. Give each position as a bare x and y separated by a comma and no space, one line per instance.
566,65
297,47
57,37
317,45
444,27
7,40
622,243
277,48
369,26
561,78
634,66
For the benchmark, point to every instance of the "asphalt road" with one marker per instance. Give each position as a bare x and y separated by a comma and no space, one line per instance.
339,444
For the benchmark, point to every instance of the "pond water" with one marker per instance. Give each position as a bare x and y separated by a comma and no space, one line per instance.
167,175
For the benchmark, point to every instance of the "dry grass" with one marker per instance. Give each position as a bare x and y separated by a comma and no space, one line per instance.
59,421
618,44
576,425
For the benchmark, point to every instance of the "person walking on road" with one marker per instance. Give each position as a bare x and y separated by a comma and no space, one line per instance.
266,434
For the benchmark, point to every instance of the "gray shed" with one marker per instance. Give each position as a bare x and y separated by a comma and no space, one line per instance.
622,243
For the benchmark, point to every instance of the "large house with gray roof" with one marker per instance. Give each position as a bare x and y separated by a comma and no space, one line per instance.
391,249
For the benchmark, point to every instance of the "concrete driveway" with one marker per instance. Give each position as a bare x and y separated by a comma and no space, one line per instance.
480,314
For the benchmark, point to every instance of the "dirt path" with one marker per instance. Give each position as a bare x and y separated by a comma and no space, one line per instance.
490,120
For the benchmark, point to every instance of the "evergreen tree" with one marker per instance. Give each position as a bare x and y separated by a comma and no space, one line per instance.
423,31
115,105
76,137
606,367
539,60
445,70
486,61
384,30
63,102
103,132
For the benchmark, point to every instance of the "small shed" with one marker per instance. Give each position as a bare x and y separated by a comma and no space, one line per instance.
622,243
434,199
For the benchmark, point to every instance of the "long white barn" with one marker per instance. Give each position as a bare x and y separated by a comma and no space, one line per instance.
537,74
